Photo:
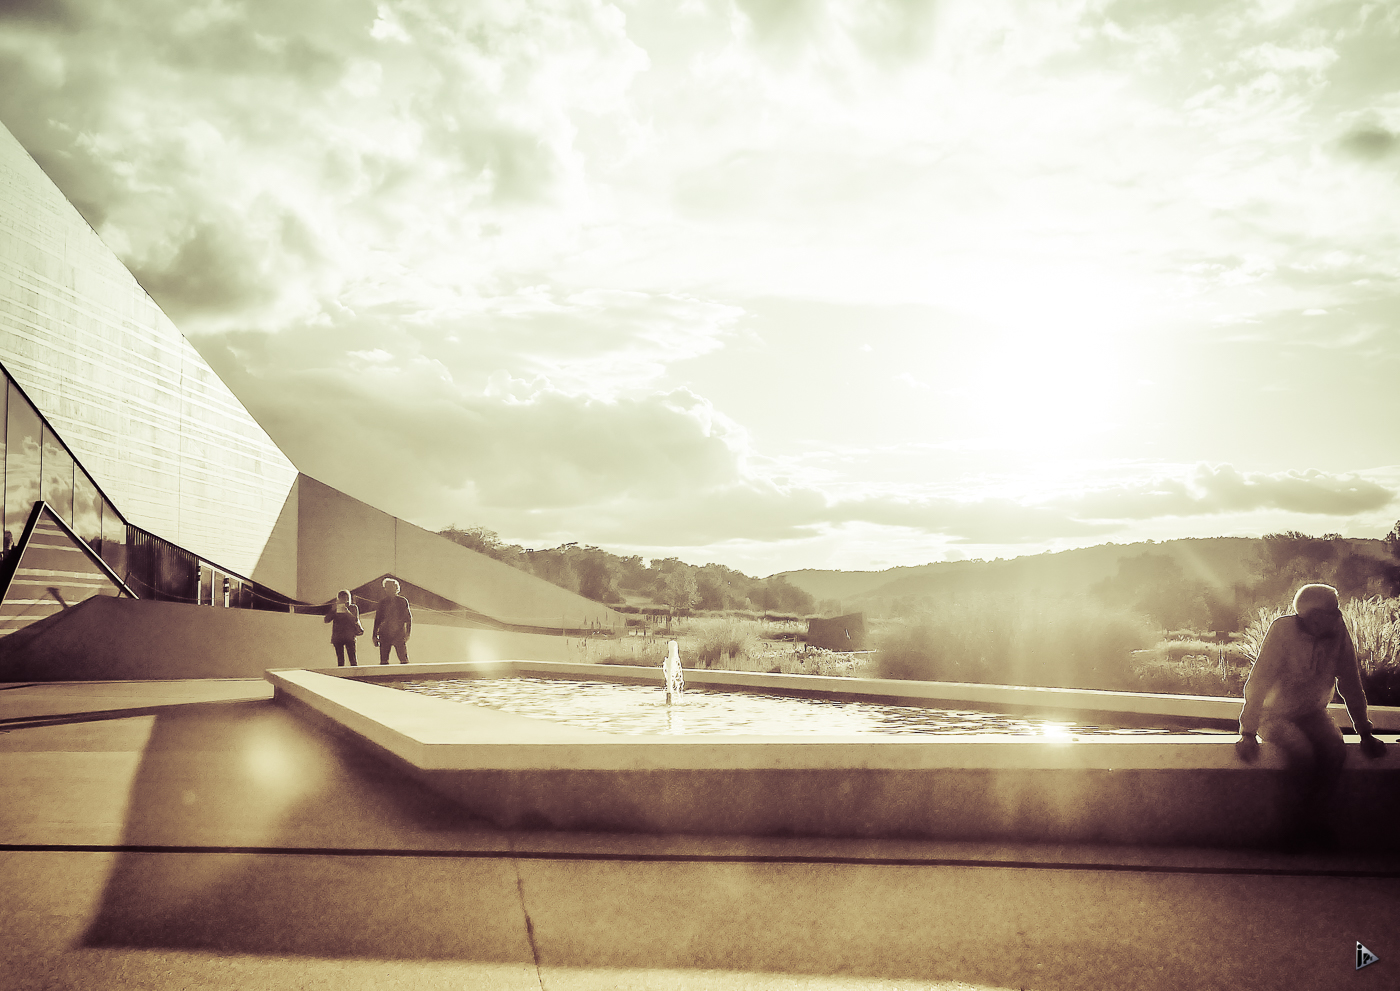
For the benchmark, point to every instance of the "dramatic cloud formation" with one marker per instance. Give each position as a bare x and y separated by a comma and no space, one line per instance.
779,283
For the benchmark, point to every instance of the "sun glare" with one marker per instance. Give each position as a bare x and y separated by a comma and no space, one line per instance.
1050,393
1054,369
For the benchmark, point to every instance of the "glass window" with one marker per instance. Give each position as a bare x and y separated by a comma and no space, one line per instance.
206,586
87,509
23,442
58,477
4,397
113,539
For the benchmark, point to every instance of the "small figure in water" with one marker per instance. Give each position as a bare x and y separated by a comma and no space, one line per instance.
671,670
1304,658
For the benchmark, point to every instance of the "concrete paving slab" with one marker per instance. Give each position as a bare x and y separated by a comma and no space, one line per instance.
52,700
1013,927
229,845
60,934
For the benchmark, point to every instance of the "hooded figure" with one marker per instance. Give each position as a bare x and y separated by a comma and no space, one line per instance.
1304,658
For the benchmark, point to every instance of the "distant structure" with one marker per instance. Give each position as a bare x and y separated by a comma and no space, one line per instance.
131,470
842,633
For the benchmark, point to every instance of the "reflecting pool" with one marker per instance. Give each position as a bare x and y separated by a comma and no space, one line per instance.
640,709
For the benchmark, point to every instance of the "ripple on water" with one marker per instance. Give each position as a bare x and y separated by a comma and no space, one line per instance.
641,709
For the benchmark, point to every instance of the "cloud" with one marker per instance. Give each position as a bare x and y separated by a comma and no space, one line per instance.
1370,142
506,263
39,11
204,271
251,161
878,29
599,341
392,425
1224,489
663,472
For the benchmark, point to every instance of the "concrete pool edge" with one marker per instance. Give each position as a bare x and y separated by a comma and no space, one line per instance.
1084,704
520,772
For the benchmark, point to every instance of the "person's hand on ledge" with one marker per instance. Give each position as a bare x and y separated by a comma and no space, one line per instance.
1372,747
1247,746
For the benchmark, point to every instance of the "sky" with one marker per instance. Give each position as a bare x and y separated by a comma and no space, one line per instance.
776,284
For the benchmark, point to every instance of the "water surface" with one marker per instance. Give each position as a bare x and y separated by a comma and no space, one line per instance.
640,709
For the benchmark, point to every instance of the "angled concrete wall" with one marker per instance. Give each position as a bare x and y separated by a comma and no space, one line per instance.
108,639
158,431
277,564
343,543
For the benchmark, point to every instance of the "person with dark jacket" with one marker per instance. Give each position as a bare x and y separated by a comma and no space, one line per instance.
393,623
345,619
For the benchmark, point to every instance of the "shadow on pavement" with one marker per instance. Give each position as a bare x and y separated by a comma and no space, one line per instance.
220,776
256,777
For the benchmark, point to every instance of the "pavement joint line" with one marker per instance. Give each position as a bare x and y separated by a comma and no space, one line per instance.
98,715
529,925
700,858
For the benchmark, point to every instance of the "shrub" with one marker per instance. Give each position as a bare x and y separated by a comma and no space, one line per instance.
710,639
1179,650
1253,637
1064,642
1375,629
1186,667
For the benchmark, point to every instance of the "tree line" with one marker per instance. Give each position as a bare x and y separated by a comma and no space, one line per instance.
611,578
1156,586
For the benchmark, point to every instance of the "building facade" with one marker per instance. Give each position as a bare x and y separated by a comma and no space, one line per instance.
126,457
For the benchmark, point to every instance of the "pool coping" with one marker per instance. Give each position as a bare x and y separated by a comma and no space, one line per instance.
440,734
518,772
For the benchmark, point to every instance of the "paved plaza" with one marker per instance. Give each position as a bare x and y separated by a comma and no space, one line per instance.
197,835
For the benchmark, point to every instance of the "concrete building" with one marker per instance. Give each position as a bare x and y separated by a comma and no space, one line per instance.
132,471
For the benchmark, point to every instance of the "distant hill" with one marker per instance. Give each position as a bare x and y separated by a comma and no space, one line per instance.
1219,562
848,584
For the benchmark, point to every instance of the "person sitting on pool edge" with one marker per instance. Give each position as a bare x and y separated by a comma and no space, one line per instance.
1304,658
393,623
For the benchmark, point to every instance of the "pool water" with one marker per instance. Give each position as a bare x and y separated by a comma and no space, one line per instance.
641,709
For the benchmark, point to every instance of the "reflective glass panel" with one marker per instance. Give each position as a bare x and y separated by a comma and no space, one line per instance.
58,477
206,586
87,509
23,443
113,539
4,397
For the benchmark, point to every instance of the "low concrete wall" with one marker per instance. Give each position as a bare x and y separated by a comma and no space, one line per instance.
517,772
107,639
